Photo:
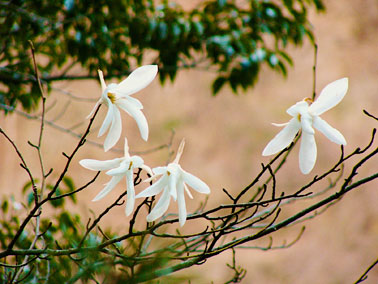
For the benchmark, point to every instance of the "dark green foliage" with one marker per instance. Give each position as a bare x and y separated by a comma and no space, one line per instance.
234,39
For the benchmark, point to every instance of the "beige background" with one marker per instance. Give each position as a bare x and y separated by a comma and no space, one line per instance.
225,136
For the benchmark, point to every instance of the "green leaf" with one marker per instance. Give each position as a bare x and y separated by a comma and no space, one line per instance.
69,183
57,202
217,31
30,198
5,206
28,185
218,84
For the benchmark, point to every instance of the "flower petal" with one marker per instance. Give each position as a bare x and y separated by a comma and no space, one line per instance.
306,123
195,183
133,101
94,109
299,107
126,149
188,191
283,138
109,187
137,80
172,183
179,151
147,169
307,153
155,188
181,204
136,161
139,117
96,165
160,207
102,81
330,96
159,170
280,124
331,133
108,119
130,193
121,170
114,132
153,177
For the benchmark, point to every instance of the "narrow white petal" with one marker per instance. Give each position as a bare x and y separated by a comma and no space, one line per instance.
96,165
147,169
307,153
119,170
151,178
299,107
306,123
101,75
179,151
160,207
137,80
330,96
159,170
155,188
114,132
133,101
109,187
283,138
108,120
181,204
173,180
136,161
126,149
331,133
137,115
130,193
188,191
195,183
94,109
280,124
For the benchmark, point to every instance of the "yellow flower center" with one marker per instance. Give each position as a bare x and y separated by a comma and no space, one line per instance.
131,164
112,97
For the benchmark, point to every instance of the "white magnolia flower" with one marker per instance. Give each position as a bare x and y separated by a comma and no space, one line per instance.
117,96
306,116
118,168
173,182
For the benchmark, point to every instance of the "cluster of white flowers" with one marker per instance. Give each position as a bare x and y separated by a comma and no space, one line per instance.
174,178
174,181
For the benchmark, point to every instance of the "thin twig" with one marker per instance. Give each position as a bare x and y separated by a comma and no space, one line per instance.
43,175
364,276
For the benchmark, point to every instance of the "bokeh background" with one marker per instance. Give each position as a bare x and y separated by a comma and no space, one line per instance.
225,136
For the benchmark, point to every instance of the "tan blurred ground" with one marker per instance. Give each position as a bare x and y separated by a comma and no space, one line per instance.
225,136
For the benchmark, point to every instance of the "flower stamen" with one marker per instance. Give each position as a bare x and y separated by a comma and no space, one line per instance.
309,100
112,97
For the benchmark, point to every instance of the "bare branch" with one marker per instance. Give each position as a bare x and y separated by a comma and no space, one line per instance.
364,276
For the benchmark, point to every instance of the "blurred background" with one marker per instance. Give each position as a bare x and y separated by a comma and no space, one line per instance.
225,136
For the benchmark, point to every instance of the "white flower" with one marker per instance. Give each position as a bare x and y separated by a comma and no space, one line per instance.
117,96
305,117
118,168
173,182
